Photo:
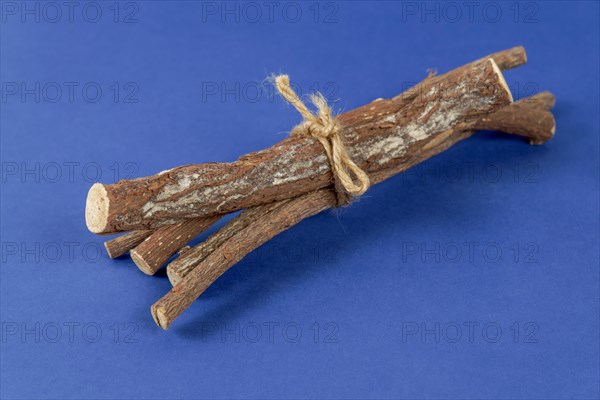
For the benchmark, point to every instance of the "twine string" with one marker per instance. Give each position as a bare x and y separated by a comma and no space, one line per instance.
324,127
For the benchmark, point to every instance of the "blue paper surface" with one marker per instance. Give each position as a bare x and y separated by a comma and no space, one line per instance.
474,275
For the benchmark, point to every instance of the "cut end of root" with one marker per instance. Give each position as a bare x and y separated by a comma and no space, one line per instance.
107,247
173,277
96,208
159,317
501,79
141,263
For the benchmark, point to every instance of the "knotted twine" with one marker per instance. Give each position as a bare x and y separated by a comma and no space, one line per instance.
324,127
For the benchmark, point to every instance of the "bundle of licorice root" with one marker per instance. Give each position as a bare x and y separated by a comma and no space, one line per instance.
326,162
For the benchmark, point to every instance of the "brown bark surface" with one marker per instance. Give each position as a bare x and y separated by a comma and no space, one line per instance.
529,117
200,270
183,264
287,214
379,136
280,186
120,245
153,252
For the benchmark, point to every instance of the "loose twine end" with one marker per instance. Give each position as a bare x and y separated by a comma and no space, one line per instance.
324,127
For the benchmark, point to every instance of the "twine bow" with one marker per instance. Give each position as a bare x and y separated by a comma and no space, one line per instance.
324,127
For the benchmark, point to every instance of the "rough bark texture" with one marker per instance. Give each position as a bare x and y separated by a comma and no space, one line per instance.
278,220
529,118
247,239
118,246
282,185
536,127
506,59
185,263
153,252
281,216
379,136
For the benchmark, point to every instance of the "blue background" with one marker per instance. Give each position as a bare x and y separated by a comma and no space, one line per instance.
357,284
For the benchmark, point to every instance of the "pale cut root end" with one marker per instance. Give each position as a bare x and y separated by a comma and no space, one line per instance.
107,247
141,263
501,79
97,205
159,317
538,142
174,278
